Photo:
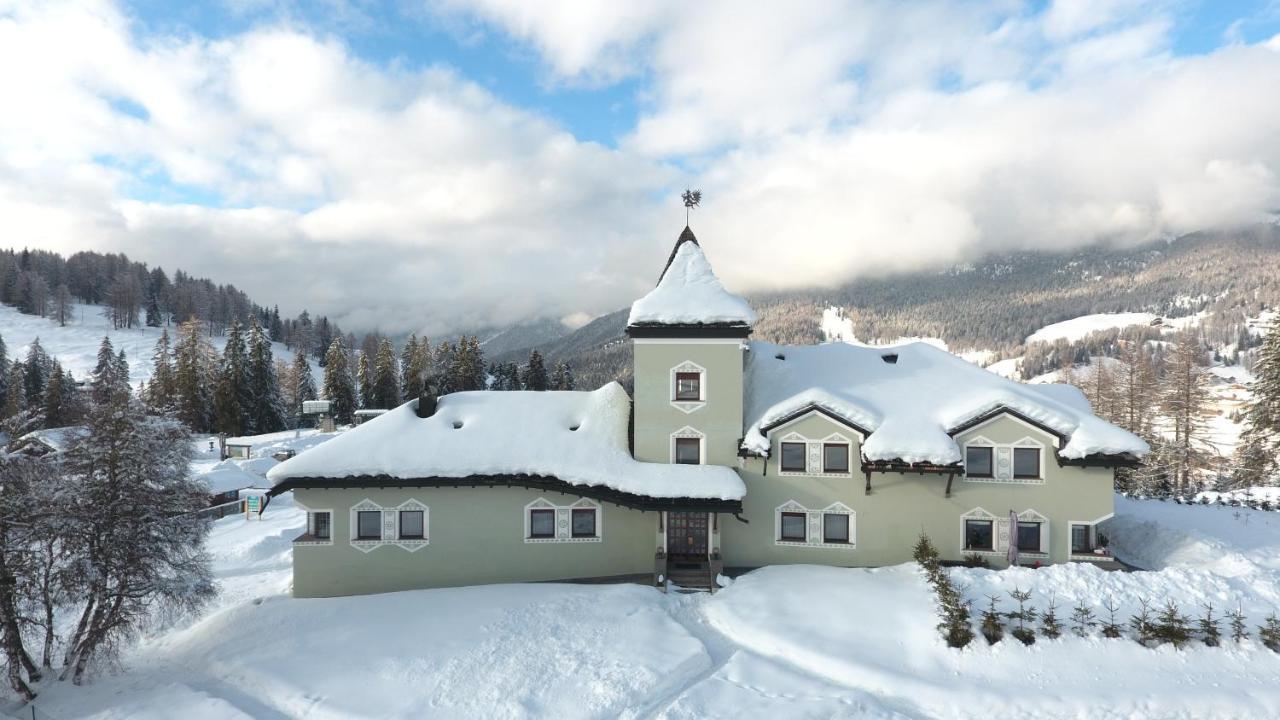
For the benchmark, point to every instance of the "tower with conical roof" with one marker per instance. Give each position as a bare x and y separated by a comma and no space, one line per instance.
687,336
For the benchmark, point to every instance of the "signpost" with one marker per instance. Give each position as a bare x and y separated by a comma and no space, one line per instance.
252,507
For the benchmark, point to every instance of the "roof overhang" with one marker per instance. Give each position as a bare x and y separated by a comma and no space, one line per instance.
531,482
899,466
689,330
1102,460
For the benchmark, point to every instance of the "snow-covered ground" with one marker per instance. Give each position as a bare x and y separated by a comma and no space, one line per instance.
76,344
798,641
1077,328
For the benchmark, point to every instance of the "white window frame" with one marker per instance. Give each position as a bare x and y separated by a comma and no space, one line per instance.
316,541
1093,524
999,532
1046,537
686,433
814,527
688,406
390,526
1002,460
815,459
563,521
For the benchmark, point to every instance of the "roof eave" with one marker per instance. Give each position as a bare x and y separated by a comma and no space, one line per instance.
688,330
532,482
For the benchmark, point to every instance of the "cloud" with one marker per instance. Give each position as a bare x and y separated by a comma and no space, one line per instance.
832,140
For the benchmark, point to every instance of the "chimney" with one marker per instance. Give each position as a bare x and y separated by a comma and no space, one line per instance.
426,405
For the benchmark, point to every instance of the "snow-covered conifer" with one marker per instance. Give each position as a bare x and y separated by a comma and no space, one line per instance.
1082,619
1258,456
266,407
161,390
1207,624
304,384
535,373
386,376
1049,625
992,622
194,374
338,388
231,398
364,380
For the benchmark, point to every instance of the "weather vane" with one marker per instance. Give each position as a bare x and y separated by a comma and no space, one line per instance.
692,198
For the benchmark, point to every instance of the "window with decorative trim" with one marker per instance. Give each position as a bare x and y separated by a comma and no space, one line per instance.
835,458
406,526
1019,462
546,522
793,457
833,526
688,387
979,535
800,455
983,532
793,526
687,446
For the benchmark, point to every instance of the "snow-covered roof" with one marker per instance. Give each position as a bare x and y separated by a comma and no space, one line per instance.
577,437
56,440
231,475
910,406
689,293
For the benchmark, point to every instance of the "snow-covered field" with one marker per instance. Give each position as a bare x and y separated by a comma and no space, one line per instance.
76,344
798,641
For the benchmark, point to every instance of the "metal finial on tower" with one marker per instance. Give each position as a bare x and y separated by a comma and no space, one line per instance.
692,198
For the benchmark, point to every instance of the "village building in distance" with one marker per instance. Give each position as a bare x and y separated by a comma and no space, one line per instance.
732,454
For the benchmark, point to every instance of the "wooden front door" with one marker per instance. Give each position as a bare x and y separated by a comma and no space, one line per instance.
687,534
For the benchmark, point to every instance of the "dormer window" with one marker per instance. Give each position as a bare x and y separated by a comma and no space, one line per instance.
688,386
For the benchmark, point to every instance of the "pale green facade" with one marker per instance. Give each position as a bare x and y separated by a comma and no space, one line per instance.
474,536
717,417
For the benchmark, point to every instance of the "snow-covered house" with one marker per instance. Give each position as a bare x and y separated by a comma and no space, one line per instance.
50,441
732,454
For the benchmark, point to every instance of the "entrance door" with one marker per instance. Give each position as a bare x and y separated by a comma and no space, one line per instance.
687,535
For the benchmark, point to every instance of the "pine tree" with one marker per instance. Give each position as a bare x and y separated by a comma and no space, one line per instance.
62,305
535,373
467,370
194,375
15,401
304,384
992,625
1239,629
162,390
1172,626
1111,628
104,373
231,401
37,369
364,376
1023,615
1143,628
266,407
1258,456
1082,619
1269,632
1049,625
55,411
415,367
386,380
338,388
1210,633
562,377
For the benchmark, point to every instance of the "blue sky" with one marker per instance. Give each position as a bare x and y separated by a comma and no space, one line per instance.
431,165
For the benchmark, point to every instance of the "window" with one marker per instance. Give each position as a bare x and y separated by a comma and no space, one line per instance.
318,525
1080,540
1029,537
688,451
793,457
584,522
978,534
977,461
411,525
369,525
689,386
793,525
835,458
1026,462
542,523
835,528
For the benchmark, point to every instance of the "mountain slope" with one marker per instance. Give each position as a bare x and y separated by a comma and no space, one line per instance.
997,303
